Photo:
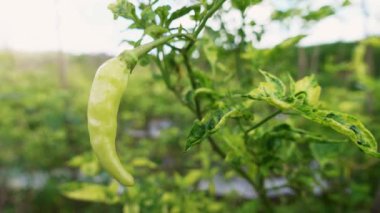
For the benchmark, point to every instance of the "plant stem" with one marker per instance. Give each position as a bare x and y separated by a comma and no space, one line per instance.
207,16
143,49
261,190
200,27
198,111
214,8
170,87
199,115
185,52
262,122
193,84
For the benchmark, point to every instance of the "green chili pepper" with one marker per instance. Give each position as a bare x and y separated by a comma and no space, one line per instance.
107,89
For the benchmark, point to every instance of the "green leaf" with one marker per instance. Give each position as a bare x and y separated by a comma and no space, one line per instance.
163,13
211,52
145,60
147,16
124,9
346,3
324,153
155,31
290,42
243,4
190,95
181,12
211,123
134,43
143,162
192,177
90,192
201,78
319,14
278,85
197,133
272,91
343,123
87,163
136,25
204,90
310,86
237,151
304,95
281,15
131,208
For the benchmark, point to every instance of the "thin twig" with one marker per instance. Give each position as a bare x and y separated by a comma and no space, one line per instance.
223,155
200,27
170,87
193,84
262,121
199,115
173,47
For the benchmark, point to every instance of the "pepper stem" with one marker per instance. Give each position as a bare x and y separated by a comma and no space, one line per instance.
132,56
144,49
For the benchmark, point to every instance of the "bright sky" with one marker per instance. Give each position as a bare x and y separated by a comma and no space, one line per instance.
87,26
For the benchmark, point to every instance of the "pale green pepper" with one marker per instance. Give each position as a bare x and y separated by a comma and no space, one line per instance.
106,92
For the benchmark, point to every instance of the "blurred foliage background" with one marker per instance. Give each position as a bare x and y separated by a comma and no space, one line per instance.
45,149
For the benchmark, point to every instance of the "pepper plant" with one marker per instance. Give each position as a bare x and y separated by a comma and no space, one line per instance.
253,120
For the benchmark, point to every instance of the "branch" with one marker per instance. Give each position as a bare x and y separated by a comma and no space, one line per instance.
262,122
199,115
207,16
170,87
223,155
200,27
193,84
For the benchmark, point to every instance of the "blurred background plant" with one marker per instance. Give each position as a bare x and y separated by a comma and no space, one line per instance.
46,164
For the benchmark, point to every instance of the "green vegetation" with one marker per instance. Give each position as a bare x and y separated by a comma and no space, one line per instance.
200,119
